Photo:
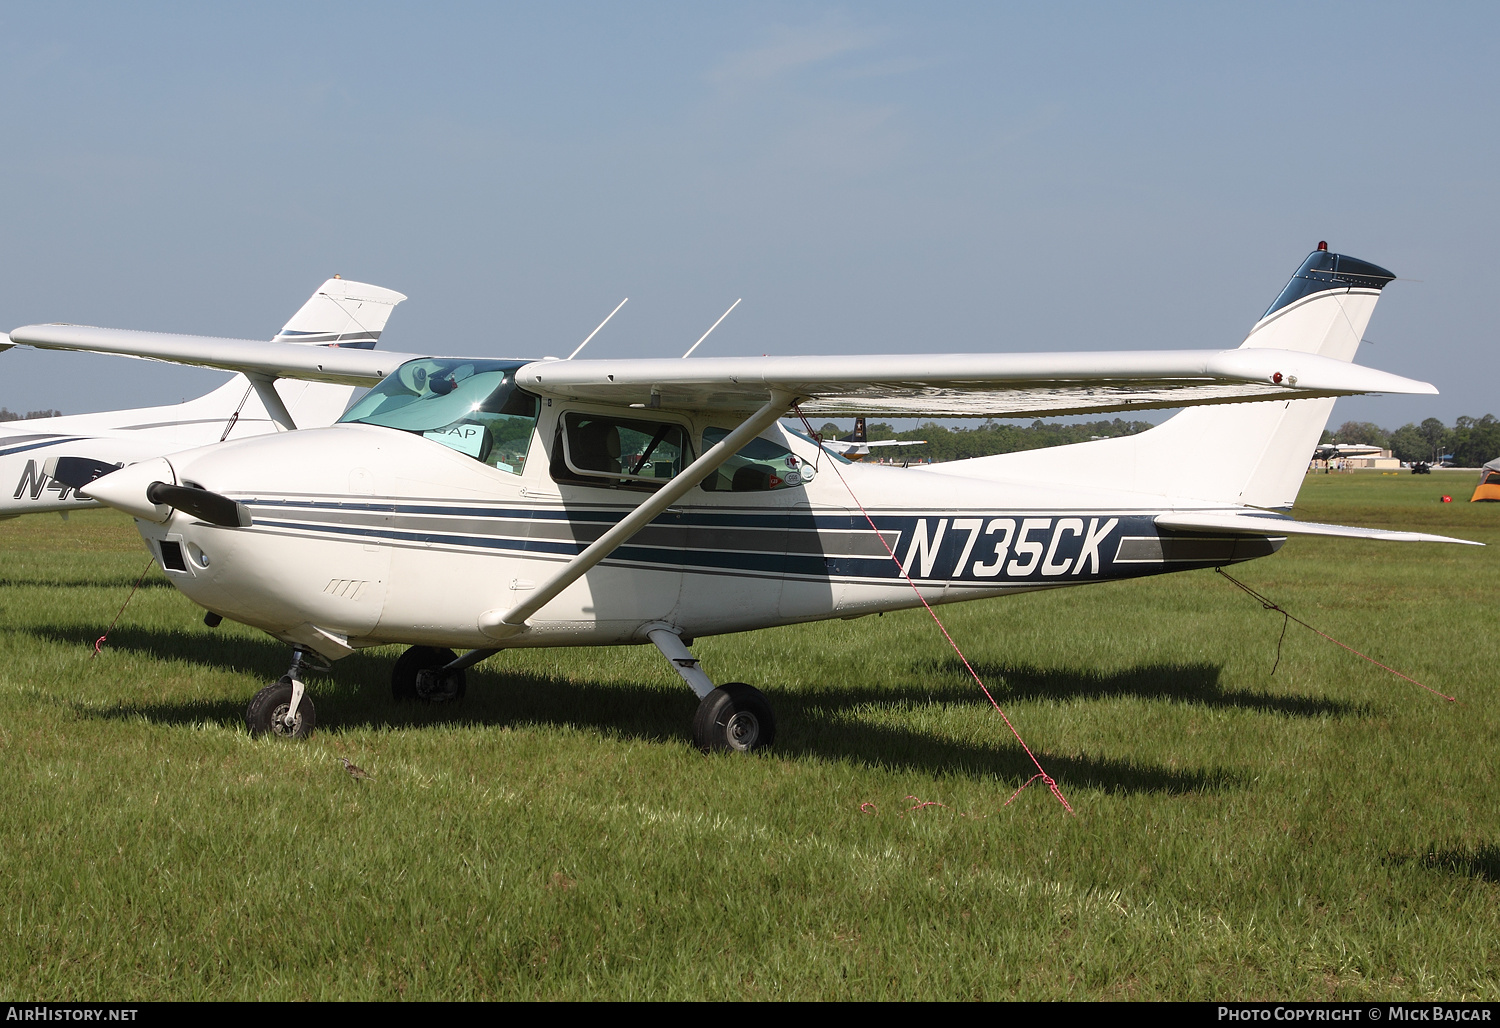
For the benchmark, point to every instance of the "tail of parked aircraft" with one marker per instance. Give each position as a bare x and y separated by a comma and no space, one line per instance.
340,313
858,435
1242,453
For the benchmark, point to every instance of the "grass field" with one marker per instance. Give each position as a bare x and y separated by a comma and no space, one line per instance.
1328,831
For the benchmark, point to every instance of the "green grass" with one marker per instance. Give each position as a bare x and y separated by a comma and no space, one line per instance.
1328,831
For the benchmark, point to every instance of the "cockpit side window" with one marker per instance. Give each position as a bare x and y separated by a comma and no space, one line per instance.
612,452
471,406
760,465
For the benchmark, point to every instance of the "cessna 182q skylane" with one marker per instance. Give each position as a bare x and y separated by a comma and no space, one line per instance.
487,504
341,313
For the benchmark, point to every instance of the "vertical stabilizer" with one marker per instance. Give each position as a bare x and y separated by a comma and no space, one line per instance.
340,313
1242,453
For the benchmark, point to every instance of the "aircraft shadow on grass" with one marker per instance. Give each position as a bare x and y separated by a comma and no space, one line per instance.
812,724
1186,683
84,581
1481,862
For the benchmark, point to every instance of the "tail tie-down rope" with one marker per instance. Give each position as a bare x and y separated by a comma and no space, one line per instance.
1040,771
1269,604
99,642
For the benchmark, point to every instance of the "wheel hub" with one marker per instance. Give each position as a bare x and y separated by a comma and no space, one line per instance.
434,686
278,721
742,731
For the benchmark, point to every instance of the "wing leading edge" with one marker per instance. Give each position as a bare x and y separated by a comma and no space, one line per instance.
249,356
966,385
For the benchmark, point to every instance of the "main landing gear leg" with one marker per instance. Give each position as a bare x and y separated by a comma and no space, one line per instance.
734,716
284,709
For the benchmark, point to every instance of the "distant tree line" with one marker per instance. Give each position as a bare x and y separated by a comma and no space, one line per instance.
1471,441
988,438
10,415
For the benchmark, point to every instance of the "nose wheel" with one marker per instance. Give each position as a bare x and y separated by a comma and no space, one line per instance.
267,713
285,710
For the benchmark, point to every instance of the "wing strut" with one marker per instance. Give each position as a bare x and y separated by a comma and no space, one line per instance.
265,388
501,624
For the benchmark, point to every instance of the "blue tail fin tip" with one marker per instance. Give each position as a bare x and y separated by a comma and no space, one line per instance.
1323,271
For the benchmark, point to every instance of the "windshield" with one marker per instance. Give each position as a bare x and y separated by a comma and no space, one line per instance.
472,406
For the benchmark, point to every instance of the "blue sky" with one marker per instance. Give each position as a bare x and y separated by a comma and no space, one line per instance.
870,177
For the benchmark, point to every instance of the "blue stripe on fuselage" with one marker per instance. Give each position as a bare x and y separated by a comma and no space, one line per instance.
54,441
936,547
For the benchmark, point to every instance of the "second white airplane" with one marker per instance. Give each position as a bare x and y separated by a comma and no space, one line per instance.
341,313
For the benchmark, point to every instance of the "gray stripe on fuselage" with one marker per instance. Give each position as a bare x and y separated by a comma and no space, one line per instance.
854,542
1167,549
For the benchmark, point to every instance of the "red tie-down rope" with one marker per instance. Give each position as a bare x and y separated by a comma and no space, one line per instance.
1040,771
99,642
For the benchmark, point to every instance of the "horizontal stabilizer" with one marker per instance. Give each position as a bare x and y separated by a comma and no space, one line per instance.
1268,524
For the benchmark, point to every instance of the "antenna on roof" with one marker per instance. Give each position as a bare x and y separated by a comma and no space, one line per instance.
596,331
710,329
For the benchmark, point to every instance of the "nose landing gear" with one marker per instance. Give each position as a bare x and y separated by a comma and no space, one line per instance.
284,710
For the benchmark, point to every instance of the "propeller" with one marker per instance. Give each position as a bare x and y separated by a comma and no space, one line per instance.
201,504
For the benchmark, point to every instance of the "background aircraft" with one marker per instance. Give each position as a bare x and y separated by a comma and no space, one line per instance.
1333,451
488,504
856,446
341,313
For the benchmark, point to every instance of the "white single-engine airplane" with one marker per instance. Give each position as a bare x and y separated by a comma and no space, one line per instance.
856,445
340,313
488,504
1333,451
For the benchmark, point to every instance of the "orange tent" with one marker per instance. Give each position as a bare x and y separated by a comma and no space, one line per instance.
1488,489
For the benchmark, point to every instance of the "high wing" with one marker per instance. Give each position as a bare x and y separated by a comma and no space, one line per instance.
954,385
248,356
965,385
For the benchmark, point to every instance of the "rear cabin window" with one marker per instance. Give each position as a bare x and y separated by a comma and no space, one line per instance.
759,466
472,406
602,450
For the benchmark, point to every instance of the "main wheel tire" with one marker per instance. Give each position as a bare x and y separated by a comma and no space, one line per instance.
267,712
410,685
734,717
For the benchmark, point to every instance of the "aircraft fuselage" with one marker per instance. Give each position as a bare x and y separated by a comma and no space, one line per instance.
364,535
